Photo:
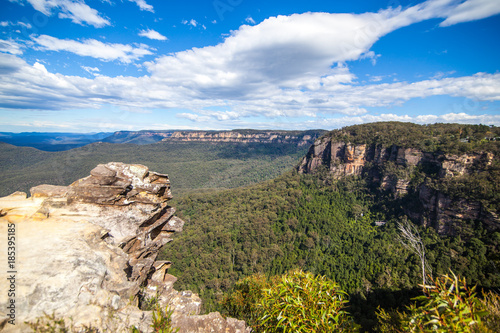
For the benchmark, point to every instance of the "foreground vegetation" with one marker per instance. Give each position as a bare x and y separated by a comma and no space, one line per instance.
301,302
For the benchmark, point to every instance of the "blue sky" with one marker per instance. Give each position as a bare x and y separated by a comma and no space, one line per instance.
107,65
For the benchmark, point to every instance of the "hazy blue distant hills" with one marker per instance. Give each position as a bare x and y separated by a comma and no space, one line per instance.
67,141
51,141
137,137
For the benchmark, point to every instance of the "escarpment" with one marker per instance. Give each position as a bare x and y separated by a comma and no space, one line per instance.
87,253
435,188
301,138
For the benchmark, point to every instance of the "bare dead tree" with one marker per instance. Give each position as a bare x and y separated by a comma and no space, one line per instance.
410,238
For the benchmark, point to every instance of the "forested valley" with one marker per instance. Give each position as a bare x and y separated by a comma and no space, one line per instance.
190,165
328,227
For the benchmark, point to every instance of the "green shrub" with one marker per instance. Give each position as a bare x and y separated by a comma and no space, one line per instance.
491,304
243,300
448,305
301,302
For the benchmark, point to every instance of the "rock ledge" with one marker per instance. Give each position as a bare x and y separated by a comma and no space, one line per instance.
88,252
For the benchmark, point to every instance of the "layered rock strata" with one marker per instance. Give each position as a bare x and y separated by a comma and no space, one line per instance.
87,253
301,139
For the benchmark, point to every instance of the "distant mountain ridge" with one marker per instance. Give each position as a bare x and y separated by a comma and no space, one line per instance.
138,137
51,141
301,138
67,141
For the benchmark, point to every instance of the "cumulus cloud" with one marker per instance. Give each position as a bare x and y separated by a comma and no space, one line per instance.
35,87
77,11
296,51
94,48
152,34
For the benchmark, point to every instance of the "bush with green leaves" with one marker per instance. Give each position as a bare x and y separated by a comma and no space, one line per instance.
448,305
242,302
301,302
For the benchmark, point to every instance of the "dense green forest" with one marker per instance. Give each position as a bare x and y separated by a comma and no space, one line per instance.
190,165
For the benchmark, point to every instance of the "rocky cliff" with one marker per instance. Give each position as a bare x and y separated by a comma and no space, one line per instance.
248,136
86,253
418,176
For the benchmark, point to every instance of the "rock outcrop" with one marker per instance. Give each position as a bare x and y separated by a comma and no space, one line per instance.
392,169
295,137
88,252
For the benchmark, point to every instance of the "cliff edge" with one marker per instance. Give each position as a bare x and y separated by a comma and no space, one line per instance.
87,253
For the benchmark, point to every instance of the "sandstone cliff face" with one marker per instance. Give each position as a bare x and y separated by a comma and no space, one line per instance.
390,169
234,136
87,252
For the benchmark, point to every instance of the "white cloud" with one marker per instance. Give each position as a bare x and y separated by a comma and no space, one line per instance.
152,34
143,5
376,78
281,52
25,86
91,70
191,22
250,20
10,46
194,117
461,118
18,23
371,56
440,75
94,48
471,10
77,11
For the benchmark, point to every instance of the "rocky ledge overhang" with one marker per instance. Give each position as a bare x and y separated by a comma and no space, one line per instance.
87,253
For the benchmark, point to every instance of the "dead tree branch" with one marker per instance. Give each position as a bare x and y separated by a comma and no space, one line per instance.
410,238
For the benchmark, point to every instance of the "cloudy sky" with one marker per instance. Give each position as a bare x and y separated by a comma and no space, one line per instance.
106,65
